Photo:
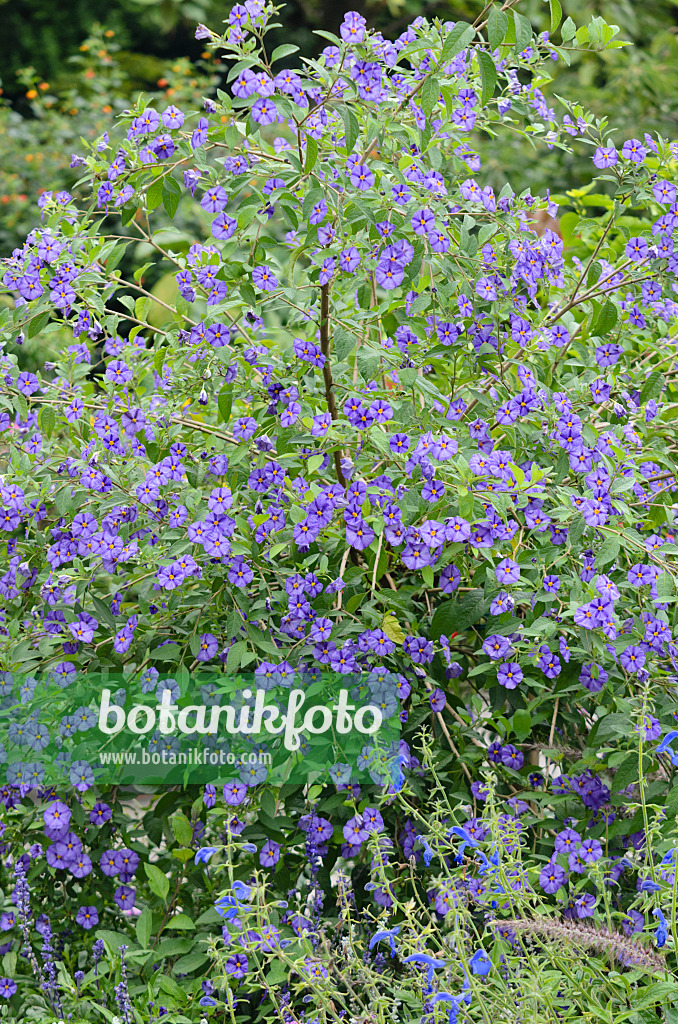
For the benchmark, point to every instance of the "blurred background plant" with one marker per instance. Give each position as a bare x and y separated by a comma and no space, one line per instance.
41,130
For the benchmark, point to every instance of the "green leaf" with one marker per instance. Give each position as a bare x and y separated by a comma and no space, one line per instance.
311,154
115,256
430,93
488,76
626,773
182,828
523,31
457,40
344,343
606,320
277,974
170,987
653,387
497,27
351,127
37,324
556,14
225,403
459,613
167,652
609,550
157,880
154,194
234,656
664,585
171,194
522,723
392,628
103,612
310,199
114,940
144,927
47,420
616,724
128,213
283,51
192,962
181,922
9,964
568,30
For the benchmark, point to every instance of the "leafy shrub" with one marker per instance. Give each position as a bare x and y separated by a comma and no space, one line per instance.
375,427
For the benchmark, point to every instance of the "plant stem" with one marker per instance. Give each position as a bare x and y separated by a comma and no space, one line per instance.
327,370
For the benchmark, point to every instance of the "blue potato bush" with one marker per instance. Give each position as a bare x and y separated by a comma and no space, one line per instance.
373,423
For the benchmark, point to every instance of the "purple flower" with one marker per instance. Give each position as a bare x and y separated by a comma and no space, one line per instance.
507,571
352,29
215,199
512,757
509,675
87,917
634,151
269,854
119,372
235,793
632,659
549,663
591,850
109,864
567,840
100,814
437,699
496,647
57,816
125,897
361,177
27,383
264,278
208,645
264,111
552,877
172,117
419,649
605,157
237,965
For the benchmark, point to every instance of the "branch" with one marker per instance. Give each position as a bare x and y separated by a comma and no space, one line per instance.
327,369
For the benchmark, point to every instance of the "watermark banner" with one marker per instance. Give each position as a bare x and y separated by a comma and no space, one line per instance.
274,727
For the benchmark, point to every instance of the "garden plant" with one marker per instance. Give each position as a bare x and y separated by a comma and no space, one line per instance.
326,409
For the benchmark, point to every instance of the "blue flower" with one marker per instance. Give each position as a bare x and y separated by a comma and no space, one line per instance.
204,854
467,841
227,907
486,869
424,958
661,934
240,890
386,934
480,963
650,886
664,745
428,852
